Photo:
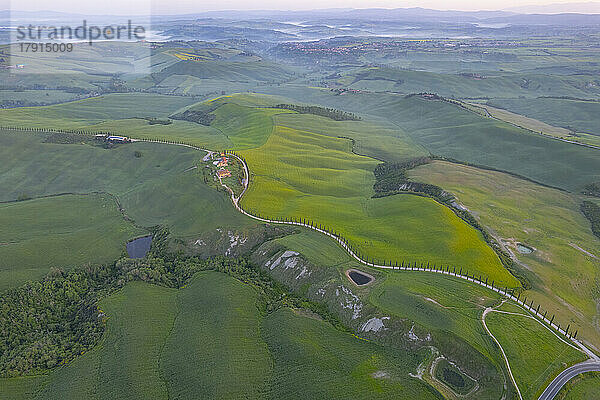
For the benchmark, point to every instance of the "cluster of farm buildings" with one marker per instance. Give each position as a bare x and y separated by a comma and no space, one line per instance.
222,163
113,138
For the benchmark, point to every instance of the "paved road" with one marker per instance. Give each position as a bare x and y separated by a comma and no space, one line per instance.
568,374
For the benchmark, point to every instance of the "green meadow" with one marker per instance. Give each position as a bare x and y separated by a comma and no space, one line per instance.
563,268
119,114
439,303
61,232
534,353
303,174
316,248
209,339
215,348
577,115
126,363
487,84
341,365
444,129
156,188
449,311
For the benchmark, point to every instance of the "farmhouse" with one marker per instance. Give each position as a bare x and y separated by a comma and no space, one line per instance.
223,173
119,139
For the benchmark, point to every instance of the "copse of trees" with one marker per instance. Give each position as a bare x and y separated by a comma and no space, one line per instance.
332,113
593,189
591,211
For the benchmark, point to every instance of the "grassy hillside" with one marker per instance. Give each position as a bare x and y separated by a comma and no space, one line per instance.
215,348
580,116
450,131
247,121
95,110
124,114
488,84
563,267
439,303
162,343
340,365
61,232
158,187
535,354
245,127
126,363
303,174
256,71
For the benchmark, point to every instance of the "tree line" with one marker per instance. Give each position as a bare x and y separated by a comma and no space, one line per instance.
331,113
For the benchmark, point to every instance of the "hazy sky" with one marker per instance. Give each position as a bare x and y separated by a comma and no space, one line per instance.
192,6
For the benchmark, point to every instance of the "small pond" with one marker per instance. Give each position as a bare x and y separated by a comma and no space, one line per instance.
138,248
524,249
360,278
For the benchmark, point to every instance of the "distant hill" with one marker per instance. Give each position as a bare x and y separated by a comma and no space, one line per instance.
590,7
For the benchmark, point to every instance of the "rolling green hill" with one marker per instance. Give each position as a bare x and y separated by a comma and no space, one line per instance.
61,232
447,130
471,85
165,343
580,116
303,174
156,188
563,267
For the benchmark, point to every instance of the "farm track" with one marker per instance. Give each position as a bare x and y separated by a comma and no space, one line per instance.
512,378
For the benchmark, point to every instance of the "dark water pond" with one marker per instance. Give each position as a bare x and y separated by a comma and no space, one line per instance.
358,278
138,248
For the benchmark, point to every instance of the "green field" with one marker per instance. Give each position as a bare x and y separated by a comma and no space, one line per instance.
316,248
92,111
340,366
120,114
535,354
303,174
580,116
155,188
127,361
36,97
439,303
61,232
561,270
487,84
447,130
215,348
210,340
